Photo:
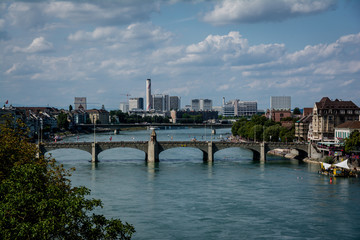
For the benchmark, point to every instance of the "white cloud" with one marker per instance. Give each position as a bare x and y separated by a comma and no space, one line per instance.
245,11
26,15
138,35
40,13
108,12
223,87
346,83
12,69
231,49
2,24
38,45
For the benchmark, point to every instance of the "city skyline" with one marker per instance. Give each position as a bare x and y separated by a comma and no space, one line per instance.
53,51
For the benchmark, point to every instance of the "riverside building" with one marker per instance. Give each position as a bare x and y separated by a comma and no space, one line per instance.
328,114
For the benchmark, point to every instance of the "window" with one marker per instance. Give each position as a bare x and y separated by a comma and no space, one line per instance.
342,111
349,111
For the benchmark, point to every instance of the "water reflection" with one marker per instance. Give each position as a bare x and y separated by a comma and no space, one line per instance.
152,168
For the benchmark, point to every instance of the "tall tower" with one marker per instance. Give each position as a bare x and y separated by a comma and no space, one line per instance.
148,94
80,101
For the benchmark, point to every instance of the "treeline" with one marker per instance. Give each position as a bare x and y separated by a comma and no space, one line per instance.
259,127
187,118
118,116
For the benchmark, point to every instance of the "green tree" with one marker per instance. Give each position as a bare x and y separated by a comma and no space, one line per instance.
70,108
62,121
296,111
37,200
353,142
272,133
257,132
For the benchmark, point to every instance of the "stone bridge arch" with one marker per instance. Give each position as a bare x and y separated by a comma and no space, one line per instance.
202,146
253,147
103,146
48,147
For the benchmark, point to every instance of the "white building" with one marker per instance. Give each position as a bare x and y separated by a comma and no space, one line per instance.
344,130
201,104
136,104
239,108
280,103
124,107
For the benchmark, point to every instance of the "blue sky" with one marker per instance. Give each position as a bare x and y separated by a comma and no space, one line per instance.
53,51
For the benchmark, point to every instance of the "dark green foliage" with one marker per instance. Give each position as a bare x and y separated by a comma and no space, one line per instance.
296,111
37,200
62,121
259,127
353,142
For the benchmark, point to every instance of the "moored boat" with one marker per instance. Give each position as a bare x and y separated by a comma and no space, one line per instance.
337,170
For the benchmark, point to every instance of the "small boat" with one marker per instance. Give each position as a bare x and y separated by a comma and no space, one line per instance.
337,170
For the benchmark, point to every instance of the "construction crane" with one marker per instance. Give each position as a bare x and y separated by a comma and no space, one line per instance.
127,96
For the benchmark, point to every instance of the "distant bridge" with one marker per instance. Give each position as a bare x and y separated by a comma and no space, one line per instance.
153,148
159,125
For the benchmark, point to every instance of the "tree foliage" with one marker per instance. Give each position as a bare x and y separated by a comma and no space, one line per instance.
296,111
37,200
353,142
62,121
259,127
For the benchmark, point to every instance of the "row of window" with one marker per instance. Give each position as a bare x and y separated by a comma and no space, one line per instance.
342,134
341,112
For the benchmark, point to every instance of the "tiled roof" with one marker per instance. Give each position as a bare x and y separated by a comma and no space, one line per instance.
326,103
350,124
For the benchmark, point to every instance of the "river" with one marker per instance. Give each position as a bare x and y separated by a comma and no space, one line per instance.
181,197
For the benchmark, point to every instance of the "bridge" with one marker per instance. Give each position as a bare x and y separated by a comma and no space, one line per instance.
153,148
119,126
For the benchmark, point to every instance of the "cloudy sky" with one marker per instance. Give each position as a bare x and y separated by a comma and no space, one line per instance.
53,51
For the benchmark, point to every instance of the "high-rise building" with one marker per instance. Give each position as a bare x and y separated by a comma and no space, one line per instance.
175,103
205,105
280,103
240,108
195,105
136,104
160,102
124,107
201,105
246,108
80,101
148,95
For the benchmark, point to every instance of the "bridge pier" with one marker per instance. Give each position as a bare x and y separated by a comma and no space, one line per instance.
262,152
153,148
210,153
94,152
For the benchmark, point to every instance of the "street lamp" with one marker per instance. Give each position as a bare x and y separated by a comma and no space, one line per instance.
255,133
41,128
263,133
94,129
205,131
